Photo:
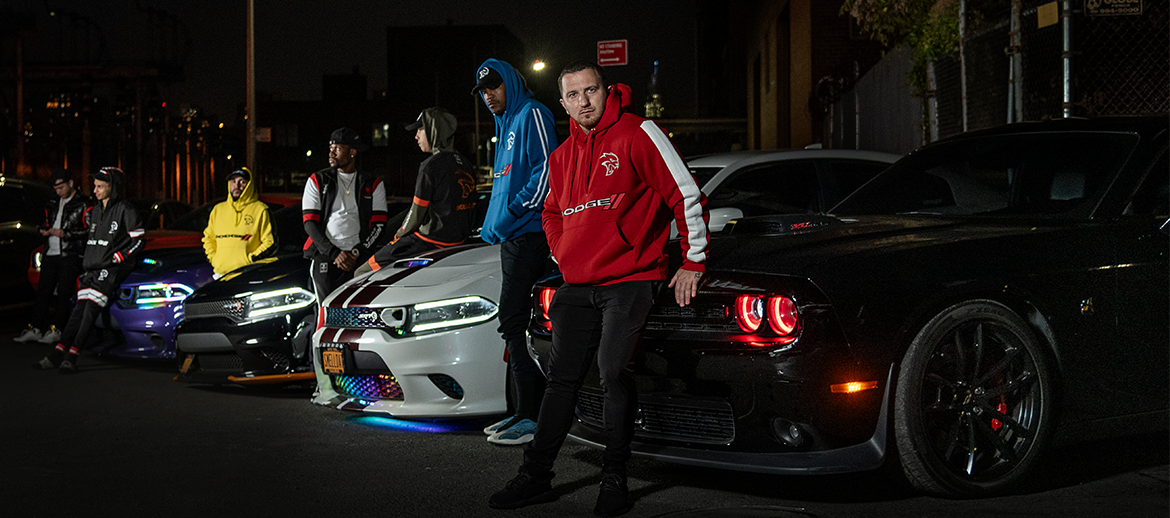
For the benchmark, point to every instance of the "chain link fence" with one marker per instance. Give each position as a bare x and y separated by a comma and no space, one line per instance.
1120,65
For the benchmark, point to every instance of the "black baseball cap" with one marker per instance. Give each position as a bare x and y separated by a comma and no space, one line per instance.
59,176
348,137
414,126
106,174
240,172
488,78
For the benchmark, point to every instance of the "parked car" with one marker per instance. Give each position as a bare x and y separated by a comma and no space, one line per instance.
252,326
986,298
22,210
419,339
148,303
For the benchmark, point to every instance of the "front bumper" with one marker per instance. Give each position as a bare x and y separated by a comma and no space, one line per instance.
218,350
457,373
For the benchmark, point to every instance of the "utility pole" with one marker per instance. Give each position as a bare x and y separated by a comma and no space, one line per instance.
250,116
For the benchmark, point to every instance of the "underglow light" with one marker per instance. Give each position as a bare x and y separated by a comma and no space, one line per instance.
410,426
852,387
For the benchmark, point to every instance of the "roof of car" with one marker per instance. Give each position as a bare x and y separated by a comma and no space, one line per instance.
1137,123
765,155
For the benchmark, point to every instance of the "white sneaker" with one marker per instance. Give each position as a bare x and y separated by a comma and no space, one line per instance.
495,427
28,335
518,433
52,337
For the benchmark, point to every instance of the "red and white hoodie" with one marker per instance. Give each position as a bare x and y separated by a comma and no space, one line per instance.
612,194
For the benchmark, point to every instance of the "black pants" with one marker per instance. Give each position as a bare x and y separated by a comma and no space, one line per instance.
609,320
326,277
523,261
58,273
97,291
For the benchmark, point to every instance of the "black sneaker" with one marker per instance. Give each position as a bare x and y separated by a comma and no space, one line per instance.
613,499
67,367
523,490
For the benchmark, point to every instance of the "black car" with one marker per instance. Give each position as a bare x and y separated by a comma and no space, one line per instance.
984,299
253,326
22,210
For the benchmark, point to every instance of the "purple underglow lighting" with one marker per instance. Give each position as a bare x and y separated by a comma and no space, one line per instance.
414,426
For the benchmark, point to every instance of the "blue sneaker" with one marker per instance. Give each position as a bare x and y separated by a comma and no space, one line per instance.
491,430
518,433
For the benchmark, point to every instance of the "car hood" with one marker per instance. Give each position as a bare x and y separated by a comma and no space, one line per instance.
457,267
274,273
797,244
468,270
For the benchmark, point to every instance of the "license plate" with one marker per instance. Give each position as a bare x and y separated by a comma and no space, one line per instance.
187,363
332,360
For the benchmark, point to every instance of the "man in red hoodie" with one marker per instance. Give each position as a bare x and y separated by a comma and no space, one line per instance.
614,187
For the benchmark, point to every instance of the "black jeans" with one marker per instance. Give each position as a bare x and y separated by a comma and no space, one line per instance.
523,261
58,272
609,320
326,277
97,290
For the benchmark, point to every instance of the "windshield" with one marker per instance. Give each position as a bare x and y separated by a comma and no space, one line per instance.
704,174
1030,174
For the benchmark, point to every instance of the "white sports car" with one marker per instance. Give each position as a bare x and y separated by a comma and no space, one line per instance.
418,339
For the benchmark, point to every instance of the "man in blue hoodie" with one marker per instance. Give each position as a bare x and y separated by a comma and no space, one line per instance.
525,136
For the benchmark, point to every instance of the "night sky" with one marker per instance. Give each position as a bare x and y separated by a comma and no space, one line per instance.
297,41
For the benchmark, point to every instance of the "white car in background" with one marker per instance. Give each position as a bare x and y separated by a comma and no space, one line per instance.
418,339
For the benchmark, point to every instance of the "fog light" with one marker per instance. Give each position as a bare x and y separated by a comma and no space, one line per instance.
788,432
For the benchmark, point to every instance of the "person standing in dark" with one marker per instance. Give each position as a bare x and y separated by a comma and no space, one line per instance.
64,231
111,249
239,230
442,212
616,184
343,210
525,136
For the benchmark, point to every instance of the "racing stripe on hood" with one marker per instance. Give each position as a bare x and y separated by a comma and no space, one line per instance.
368,291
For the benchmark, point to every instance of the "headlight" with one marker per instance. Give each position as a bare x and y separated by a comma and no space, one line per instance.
279,301
451,313
162,292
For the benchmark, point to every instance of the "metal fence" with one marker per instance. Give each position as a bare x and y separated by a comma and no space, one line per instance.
1118,65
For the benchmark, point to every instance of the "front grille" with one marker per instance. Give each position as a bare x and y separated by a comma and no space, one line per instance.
377,386
447,385
231,308
678,419
709,317
279,360
229,362
361,318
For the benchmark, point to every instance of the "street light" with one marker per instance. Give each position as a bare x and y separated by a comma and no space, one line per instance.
538,65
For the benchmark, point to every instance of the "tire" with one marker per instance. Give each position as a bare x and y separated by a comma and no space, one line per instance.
974,402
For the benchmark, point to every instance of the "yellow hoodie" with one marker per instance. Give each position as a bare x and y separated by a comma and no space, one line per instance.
237,231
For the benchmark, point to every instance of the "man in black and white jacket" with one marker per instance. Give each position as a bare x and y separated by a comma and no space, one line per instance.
115,241
65,234
343,211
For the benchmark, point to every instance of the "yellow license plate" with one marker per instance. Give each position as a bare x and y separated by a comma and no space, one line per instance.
332,362
187,363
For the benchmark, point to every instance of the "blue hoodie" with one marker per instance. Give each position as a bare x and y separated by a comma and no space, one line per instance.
525,136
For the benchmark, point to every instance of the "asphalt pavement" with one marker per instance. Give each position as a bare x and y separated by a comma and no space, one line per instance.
122,438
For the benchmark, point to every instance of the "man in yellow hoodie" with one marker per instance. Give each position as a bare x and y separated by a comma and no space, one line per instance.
239,230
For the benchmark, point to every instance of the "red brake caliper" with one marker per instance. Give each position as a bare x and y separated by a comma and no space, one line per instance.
995,423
